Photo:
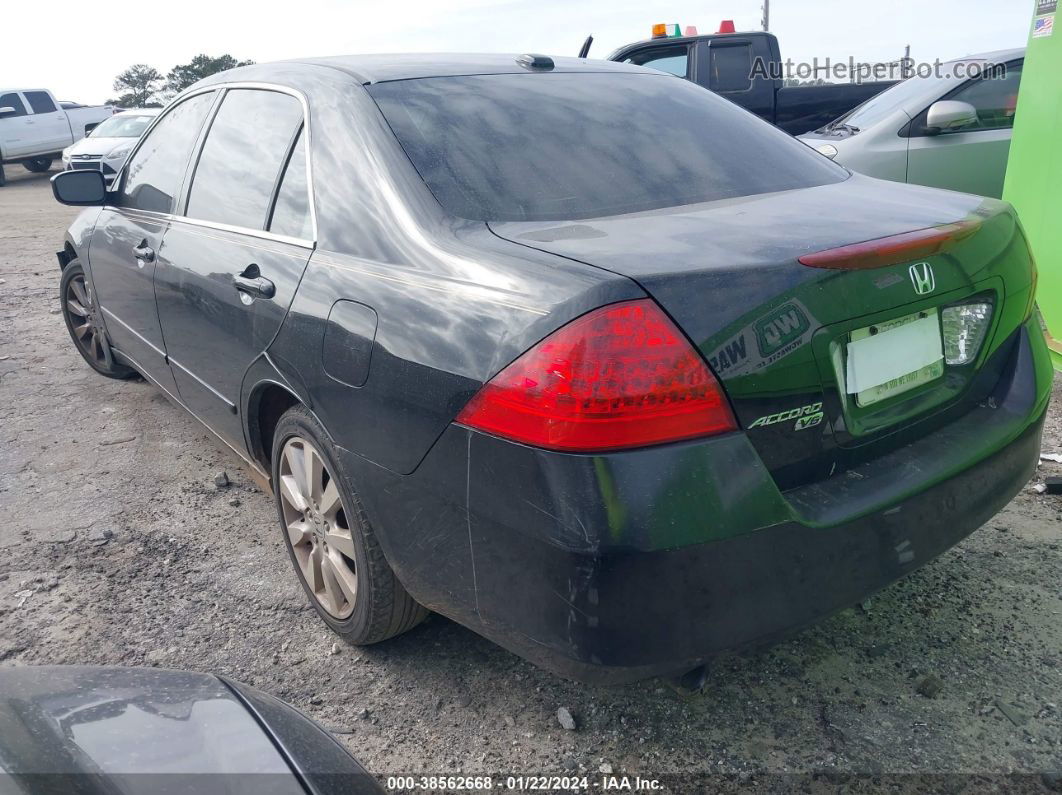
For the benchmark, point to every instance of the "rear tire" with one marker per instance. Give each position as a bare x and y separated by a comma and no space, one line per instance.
82,316
330,541
38,165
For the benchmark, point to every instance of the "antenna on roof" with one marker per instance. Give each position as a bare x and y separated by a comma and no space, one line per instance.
585,49
535,61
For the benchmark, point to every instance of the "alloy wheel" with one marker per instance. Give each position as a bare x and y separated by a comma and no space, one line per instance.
81,311
318,527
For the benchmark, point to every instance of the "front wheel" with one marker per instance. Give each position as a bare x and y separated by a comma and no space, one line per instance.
83,321
330,541
38,165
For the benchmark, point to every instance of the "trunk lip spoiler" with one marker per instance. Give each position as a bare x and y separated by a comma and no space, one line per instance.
894,249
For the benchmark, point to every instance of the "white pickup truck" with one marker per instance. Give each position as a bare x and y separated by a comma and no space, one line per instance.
34,128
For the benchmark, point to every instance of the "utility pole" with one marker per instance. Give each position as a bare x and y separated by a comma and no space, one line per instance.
906,62
766,14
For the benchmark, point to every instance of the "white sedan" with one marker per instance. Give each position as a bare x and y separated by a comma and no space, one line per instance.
107,146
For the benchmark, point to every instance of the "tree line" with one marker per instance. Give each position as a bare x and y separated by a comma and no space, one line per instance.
143,86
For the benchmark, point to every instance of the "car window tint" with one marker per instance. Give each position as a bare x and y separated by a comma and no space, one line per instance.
562,146
994,97
242,156
40,102
731,67
666,59
12,101
154,174
291,215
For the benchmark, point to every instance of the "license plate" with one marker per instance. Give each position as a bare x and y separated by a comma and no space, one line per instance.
890,358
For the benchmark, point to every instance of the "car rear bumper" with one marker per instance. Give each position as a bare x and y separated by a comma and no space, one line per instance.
618,567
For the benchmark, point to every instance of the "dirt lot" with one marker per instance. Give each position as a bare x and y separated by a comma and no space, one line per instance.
117,548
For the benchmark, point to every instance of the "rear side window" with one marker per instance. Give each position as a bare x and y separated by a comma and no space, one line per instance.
246,147
561,146
731,67
154,174
291,214
12,101
40,102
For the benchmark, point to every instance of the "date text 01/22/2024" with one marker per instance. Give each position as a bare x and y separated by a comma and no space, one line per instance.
606,783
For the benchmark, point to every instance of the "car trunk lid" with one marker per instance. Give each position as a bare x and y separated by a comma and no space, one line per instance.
776,331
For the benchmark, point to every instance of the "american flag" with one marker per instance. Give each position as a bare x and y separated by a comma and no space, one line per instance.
1044,27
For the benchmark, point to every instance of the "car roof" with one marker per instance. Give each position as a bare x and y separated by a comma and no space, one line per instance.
996,56
139,112
410,66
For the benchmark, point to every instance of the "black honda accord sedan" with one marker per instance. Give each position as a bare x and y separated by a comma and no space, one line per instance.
576,353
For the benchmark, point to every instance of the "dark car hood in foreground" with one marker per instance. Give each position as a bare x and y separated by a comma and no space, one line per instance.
728,273
132,730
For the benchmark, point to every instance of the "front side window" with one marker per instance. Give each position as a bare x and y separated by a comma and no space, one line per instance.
994,98
562,146
13,101
154,174
291,214
245,149
40,102
667,59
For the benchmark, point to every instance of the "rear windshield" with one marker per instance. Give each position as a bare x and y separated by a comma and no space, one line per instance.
563,146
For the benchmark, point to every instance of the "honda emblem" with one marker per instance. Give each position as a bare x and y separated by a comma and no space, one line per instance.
922,278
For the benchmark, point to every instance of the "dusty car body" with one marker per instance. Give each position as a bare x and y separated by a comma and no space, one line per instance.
529,350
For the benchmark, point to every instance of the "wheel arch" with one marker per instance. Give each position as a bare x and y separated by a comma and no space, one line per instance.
69,254
266,405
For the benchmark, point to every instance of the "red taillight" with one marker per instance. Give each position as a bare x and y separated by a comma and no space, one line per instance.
893,250
621,376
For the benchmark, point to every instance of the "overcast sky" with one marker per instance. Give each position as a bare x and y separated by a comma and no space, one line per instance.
76,48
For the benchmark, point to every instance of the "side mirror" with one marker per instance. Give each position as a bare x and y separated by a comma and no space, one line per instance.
949,115
79,188
7,110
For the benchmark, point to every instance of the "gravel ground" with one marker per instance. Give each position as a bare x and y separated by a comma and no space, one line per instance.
117,548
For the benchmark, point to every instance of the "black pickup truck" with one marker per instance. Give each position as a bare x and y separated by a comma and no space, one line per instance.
723,63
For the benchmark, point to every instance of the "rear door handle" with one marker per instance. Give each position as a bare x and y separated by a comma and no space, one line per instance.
144,252
253,283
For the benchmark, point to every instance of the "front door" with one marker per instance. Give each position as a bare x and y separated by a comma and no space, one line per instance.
973,159
15,138
124,251
230,264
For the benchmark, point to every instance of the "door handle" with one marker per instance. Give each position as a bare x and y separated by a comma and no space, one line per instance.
253,283
144,252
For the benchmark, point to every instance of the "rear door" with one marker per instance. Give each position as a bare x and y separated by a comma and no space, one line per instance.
231,261
129,231
50,127
972,160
